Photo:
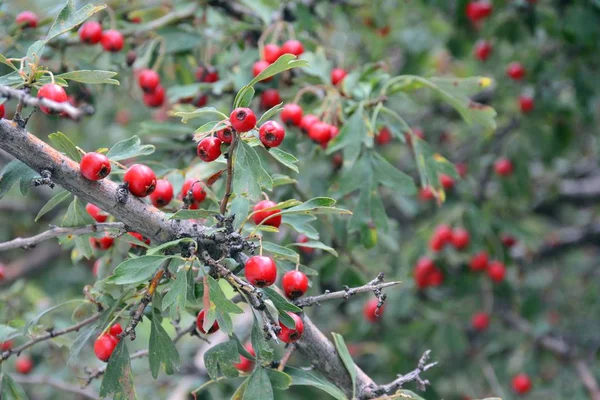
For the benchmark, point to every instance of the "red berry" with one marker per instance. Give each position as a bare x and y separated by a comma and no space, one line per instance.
292,46
242,119
447,181
260,216
148,80
503,167
521,383
288,335
460,238
426,193
96,267
54,92
384,136
338,75
307,122
96,213
112,40
370,311
200,100
423,269
5,346
140,238
209,148
94,166
483,49
24,365
245,364
304,239
479,262
480,321
271,53
526,103
269,98
141,180
90,32
200,322
116,329
260,271
163,193
320,132
496,271
27,19
462,169
103,243
156,98
198,193
478,10
2,110
435,278
515,70
291,114
294,283
334,131
225,135
271,134
259,67
207,74
104,346
508,240
436,243
337,160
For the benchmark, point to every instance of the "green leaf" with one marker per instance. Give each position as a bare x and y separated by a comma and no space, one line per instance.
240,208
176,296
259,385
318,66
317,245
304,378
281,252
6,332
283,63
410,395
263,351
90,76
13,172
221,301
243,98
69,18
193,214
13,79
301,224
136,270
263,8
117,378
162,350
344,354
314,206
270,113
36,319
249,176
5,61
284,158
282,306
279,380
200,112
390,176
350,137
129,148
222,355
64,144
11,390
53,202
76,215
280,180
155,250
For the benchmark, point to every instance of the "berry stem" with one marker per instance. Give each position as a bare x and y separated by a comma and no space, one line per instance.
229,182
111,17
161,53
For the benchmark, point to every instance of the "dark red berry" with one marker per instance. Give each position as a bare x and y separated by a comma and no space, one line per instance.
294,283
460,238
148,80
200,100
480,321
521,383
200,323
479,262
94,166
24,365
259,67
90,32
269,99
198,193
27,19
271,134
496,271
526,103
482,50
338,75
242,119
435,278
503,167
384,136
447,181
370,311
288,335
209,149
260,271
96,213
155,98
163,193
260,216
112,40
207,74
292,46
462,169
245,364
103,243
130,57
271,53
515,70
291,114
54,92
225,135
426,193
141,180
508,240
104,346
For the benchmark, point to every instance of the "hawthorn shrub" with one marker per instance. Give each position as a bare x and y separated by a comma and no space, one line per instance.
263,199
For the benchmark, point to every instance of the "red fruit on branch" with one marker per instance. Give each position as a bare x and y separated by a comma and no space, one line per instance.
269,99
198,192
163,193
116,329
480,321
271,53
271,134
112,40
245,364
260,216
27,19
7,345
206,74
96,213
90,32
104,346
156,98
426,194
479,262
225,135
292,46
2,110
435,278
337,75
291,114
94,166
370,311
289,335
423,269
320,132
259,67
148,80
515,70
140,238
294,283
482,50
242,119
462,169
260,271
54,92
478,10
447,181
521,383
508,240
496,271
526,104
140,179
103,243
307,122
460,238
200,323
24,365
209,149
384,136
503,167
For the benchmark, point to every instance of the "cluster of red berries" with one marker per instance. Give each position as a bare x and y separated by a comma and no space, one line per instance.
205,74
105,344
320,132
427,274
24,364
271,52
443,235
111,40
154,92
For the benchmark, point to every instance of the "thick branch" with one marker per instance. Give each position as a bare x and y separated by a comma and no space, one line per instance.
32,261
28,100
580,192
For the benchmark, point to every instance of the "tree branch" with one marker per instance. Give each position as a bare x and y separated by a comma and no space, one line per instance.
34,260
60,385
28,100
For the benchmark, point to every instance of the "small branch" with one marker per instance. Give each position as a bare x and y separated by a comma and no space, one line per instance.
60,385
28,100
286,356
228,185
32,261
56,231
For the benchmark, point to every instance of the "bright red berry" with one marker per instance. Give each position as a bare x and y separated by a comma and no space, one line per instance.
104,346
304,239
508,240
526,104
245,364
140,238
140,179
24,365
271,53
156,98
515,70
271,134
480,321
307,122
27,19
209,149
90,32
460,238
295,284
5,346
521,383
441,237
163,193
242,119
483,49
426,193
292,46
435,278
2,110
200,322
96,213
259,67
198,192
94,166
225,135
288,335
370,311
148,80
103,243
479,262
447,181
269,98
496,271
116,329
436,243
478,10
503,167
292,114
112,40
384,136
260,216
54,92
423,269
261,271
320,132
338,75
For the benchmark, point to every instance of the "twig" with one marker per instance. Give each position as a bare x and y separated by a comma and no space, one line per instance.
28,100
64,386
286,356
228,184
57,231
32,261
